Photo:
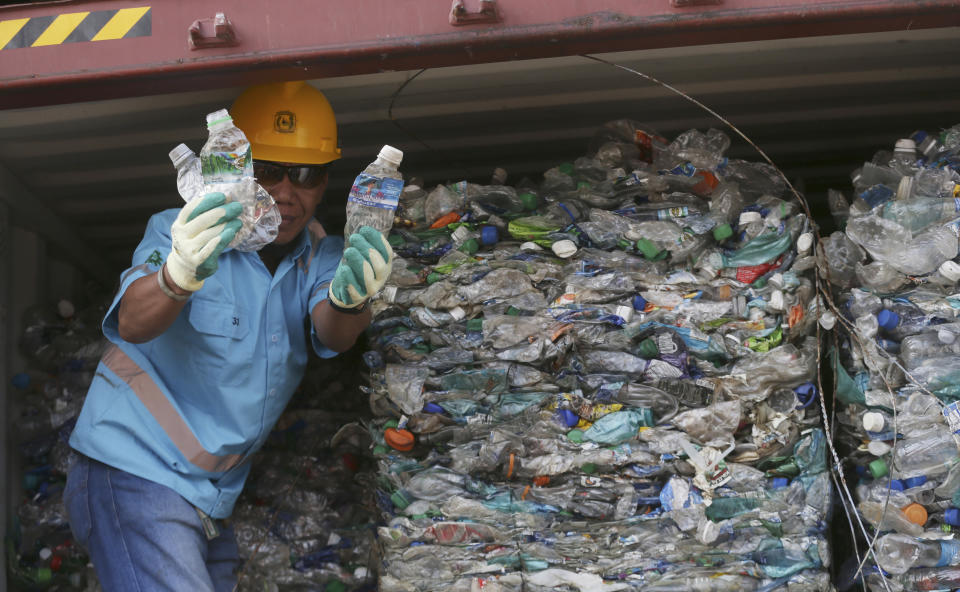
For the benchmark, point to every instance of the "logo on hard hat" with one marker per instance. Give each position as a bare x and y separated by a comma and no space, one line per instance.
285,122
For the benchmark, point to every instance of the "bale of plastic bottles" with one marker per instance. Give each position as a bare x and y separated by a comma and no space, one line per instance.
894,269
603,380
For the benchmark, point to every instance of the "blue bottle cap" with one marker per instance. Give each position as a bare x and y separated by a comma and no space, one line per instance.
432,408
21,380
915,481
567,417
639,303
952,516
897,485
489,235
779,482
806,393
888,319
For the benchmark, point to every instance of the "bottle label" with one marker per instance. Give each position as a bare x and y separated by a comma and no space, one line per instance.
951,413
676,212
226,167
376,192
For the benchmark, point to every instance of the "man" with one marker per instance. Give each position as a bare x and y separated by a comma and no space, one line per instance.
208,345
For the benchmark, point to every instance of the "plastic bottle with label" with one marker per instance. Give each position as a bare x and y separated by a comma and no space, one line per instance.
375,194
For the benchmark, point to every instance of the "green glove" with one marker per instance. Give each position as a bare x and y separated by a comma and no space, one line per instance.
364,268
202,230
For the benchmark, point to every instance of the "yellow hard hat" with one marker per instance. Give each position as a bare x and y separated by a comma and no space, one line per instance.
287,122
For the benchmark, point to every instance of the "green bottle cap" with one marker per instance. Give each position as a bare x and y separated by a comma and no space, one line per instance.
624,245
529,201
391,423
575,436
722,232
380,449
589,468
759,283
335,586
878,468
566,168
400,499
475,324
434,277
648,249
649,349
513,311
469,246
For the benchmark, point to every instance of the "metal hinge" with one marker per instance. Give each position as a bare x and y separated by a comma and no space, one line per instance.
488,13
212,32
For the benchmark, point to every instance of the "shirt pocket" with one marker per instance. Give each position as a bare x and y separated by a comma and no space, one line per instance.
221,352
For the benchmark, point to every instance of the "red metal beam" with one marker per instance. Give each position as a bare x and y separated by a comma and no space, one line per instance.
297,39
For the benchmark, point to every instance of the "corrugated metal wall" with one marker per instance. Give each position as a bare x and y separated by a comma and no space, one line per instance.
818,106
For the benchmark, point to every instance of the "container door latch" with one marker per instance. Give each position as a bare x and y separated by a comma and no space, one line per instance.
488,13
212,32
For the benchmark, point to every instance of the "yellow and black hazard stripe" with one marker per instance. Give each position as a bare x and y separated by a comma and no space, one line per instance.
75,27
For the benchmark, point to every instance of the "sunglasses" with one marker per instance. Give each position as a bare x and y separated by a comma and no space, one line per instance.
306,176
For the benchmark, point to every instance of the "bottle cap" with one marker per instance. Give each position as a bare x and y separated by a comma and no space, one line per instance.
916,513
878,447
401,440
43,575
915,481
575,436
649,349
489,235
44,553
878,468
806,393
873,421
391,155
217,117
897,485
639,303
828,320
888,319
475,325
528,200
564,248
530,246
780,482
950,270
952,516
567,417
179,154
457,313
776,300
905,145
625,313
748,217
804,242
648,249
20,380
432,408
722,232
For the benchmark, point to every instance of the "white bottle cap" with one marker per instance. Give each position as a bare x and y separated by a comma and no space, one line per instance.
878,447
748,217
564,248
530,246
217,117
179,154
946,337
950,270
828,320
457,313
776,300
905,145
391,155
804,242
872,421
45,553
625,312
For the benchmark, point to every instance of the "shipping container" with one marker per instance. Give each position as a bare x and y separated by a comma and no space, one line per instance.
94,94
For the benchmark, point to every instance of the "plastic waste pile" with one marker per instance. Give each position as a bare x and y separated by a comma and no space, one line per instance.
894,270
62,346
306,518
602,381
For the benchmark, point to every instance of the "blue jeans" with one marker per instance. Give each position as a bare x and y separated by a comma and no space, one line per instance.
142,536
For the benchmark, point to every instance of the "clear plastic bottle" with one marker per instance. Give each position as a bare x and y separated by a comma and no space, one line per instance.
375,193
932,452
225,160
189,177
898,553
922,212
904,159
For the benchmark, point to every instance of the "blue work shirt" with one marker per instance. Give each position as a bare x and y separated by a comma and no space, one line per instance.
187,408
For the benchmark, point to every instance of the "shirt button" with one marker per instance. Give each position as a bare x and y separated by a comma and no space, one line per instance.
275,338
273,392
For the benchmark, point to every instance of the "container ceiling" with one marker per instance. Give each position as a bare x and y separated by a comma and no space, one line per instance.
818,106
